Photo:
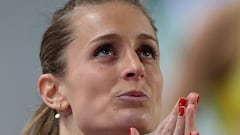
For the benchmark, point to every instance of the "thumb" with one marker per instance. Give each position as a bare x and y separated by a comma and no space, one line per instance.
133,131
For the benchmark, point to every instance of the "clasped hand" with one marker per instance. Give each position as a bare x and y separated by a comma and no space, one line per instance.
181,120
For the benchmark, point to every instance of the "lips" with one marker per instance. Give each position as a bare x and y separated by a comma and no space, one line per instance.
133,96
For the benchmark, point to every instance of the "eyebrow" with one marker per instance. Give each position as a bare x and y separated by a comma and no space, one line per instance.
107,36
116,36
147,36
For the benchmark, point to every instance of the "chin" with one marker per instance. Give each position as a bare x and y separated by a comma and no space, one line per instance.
141,120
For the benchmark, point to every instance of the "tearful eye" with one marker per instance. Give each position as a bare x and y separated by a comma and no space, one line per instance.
104,51
147,52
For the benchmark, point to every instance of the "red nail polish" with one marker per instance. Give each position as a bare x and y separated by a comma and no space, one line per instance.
129,131
182,102
190,133
181,111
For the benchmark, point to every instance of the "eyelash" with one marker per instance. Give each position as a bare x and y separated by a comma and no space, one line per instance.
144,51
149,50
105,50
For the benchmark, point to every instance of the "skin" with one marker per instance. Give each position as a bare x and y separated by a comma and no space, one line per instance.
92,83
114,51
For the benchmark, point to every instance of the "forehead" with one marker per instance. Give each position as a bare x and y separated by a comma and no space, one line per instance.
110,17
107,8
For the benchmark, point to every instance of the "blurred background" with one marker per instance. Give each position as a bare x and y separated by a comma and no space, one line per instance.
183,25
200,51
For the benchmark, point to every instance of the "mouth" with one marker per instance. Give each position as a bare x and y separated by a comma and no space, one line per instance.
133,96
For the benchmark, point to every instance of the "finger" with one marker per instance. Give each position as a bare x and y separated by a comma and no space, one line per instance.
133,131
191,110
181,102
193,98
169,124
179,129
190,119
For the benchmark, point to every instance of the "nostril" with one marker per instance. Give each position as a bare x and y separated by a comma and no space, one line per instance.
134,75
130,75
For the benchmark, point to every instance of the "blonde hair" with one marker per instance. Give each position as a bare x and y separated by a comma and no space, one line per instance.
54,41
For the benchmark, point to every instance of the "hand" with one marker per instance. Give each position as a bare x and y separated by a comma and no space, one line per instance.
181,121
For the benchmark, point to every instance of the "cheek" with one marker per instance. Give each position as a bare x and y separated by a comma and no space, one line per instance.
157,88
90,82
154,81
90,92
88,88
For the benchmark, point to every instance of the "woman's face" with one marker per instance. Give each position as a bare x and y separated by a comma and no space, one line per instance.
113,79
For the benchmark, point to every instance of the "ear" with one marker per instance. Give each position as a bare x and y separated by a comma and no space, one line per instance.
50,92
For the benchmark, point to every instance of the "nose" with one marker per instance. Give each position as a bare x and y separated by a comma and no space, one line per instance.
133,68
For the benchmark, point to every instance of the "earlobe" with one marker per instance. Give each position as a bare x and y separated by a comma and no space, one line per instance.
48,88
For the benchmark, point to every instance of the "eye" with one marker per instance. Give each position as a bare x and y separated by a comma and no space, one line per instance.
104,50
147,52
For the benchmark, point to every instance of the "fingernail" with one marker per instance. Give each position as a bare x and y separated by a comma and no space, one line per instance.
195,133
182,102
129,131
181,111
